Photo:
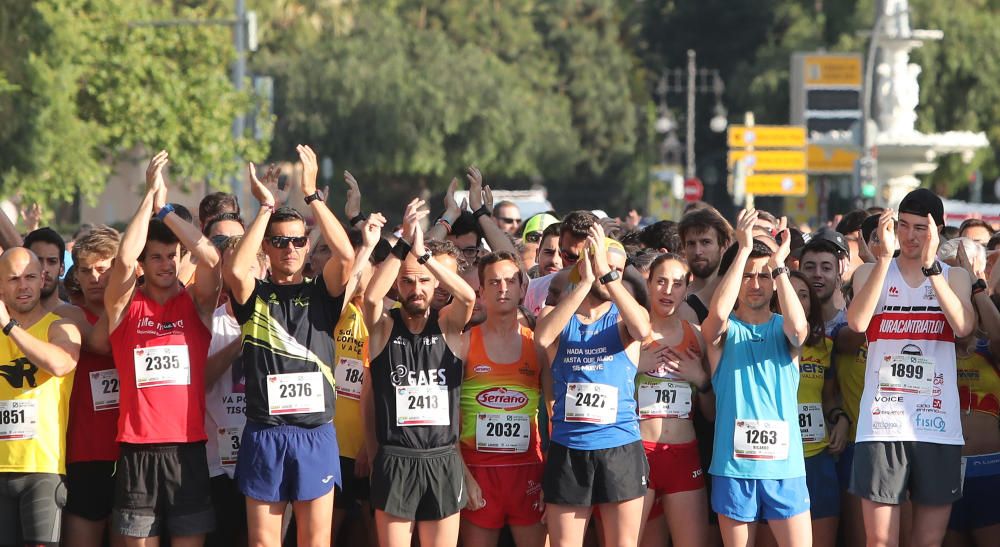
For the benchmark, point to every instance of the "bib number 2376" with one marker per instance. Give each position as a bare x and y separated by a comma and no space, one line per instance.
295,393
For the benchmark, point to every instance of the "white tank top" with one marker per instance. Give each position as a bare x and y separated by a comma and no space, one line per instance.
911,390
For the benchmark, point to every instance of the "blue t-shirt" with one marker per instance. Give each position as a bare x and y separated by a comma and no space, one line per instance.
594,354
756,379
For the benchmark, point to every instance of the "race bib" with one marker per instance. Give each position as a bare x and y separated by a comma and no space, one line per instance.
348,375
162,366
906,374
422,405
104,389
591,403
229,444
295,393
18,419
664,400
503,433
811,422
760,440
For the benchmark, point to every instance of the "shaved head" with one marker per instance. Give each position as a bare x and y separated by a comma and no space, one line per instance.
20,279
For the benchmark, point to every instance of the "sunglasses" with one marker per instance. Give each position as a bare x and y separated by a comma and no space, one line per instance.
533,237
507,220
281,242
220,240
470,252
568,256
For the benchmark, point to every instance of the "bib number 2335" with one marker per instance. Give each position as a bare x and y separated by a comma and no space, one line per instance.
162,366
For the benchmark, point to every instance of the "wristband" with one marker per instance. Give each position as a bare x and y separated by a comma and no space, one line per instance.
444,222
317,195
166,210
422,259
778,271
360,217
267,206
401,249
10,326
481,212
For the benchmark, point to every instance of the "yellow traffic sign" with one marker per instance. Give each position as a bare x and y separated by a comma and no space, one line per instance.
777,184
821,159
767,136
832,70
770,160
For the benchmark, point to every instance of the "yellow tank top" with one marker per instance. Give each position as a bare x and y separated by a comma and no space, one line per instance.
814,370
350,338
979,382
851,380
34,409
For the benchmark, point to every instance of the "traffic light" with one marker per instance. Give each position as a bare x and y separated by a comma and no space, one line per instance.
866,175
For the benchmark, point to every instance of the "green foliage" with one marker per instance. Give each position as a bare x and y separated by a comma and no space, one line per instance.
91,86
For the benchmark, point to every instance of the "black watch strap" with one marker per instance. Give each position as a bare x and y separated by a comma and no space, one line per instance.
10,326
314,196
935,269
481,212
979,286
422,259
613,275
401,249
360,217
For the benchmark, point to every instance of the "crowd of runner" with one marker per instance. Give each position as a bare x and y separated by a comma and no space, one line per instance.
278,377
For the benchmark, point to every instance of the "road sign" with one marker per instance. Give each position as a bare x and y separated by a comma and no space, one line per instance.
821,159
693,189
767,136
777,184
770,160
832,70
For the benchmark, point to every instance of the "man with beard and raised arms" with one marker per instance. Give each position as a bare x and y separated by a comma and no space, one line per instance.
596,458
704,234
758,470
411,403
38,353
909,439
159,335
92,448
289,452
501,391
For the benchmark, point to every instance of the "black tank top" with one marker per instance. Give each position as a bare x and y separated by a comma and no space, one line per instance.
415,360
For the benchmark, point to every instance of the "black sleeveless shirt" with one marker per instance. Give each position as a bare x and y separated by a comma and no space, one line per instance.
415,360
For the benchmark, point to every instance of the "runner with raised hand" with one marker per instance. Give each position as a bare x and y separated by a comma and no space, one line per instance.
412,400
159,335
289,449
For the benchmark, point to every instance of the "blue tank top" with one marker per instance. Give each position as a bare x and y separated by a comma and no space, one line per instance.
594,386
756,381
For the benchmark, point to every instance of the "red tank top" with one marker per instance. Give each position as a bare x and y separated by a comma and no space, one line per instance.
92,428
160,354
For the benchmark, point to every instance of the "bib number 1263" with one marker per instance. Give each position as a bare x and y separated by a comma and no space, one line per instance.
760,440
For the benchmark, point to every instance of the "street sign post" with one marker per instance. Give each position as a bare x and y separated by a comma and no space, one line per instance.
772,157
693,189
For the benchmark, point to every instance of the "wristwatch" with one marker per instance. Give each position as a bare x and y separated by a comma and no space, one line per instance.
935,269
979,286
778,271
166,210
613,275
314,196
9,326
481,212
422,259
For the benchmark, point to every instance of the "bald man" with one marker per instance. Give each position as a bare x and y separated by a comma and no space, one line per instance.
38,353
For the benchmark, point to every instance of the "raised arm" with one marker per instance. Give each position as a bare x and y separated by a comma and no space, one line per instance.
457,313
451,213
549,327
795,324
869,278
954,293
9,236
352,203
58,356
337,270
728,289
122,278
238,272
208,282
371,233
634,316
497,238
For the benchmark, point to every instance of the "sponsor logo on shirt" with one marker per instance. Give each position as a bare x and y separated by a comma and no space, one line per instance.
924,422
893,291
148,326
502,398
482,369
888,398
18,371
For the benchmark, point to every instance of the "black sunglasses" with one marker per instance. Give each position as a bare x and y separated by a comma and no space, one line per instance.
533,237
568,256
281,242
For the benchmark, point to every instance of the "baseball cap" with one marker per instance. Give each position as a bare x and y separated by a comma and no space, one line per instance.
825,237
538,223
797,243
923,202
868,226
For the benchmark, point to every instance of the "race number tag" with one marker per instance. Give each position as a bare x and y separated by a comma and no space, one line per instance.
348,375
591,403
422,405
811,422
162,366
760,440
664,400
295,393
229,444
503,433
18,419
104,389
906,374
